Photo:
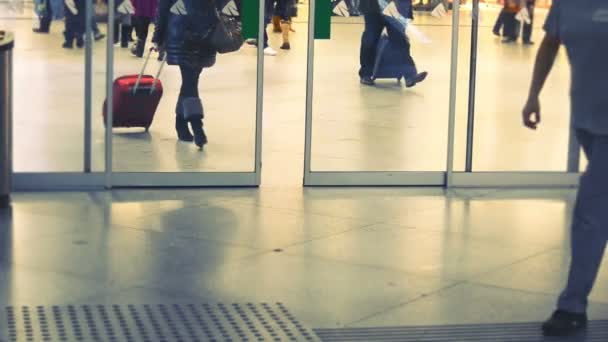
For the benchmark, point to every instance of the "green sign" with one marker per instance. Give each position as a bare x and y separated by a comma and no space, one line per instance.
322,19
251,14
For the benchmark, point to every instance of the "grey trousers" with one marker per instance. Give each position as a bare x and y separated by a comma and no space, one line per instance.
589,226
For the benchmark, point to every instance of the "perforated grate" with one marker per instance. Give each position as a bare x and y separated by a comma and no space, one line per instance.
512,332
153,323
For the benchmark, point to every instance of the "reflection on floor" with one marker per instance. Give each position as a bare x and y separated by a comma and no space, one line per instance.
334,257
355,127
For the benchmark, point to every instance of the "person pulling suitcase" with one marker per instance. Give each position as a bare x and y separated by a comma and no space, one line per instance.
398,43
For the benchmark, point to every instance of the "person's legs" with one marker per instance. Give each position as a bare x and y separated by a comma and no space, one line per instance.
499,22
125,35
588,238
374,24
510,27
45,20
189,106
589,227
527,32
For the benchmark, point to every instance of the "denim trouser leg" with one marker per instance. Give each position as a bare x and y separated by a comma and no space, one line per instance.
590,225
374,24
527,32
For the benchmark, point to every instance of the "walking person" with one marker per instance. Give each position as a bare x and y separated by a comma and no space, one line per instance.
145,11
182,28
74,23
582,27
375,23
44,9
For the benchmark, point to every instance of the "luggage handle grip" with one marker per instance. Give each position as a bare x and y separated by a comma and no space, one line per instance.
143,70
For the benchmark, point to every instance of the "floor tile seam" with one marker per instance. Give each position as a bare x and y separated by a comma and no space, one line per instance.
328,236
66,273
133,287
435,230
511,289
315,213
407,302
375,267
511,264
198,238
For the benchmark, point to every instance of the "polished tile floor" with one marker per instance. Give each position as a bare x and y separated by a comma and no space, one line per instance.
354,127
335,257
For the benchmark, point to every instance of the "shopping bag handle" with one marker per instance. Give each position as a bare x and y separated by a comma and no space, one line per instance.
143,70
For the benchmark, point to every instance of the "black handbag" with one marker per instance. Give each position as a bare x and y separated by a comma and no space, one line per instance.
227,34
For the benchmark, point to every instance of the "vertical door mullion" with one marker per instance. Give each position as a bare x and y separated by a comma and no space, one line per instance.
259,92
310,61
109,94
453,92
88,84
472,89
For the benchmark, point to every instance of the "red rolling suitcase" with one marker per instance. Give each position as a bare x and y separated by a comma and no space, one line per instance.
135,99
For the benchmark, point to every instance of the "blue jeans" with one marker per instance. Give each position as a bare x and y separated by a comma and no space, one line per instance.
589,226
374,25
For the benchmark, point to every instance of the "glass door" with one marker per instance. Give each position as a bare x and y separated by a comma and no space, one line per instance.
396,130
493,148
228,95
61,135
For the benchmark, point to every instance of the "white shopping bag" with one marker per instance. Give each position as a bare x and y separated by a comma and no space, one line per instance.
524,16
439,11
341,9
231,9
71,5
126,8
413,31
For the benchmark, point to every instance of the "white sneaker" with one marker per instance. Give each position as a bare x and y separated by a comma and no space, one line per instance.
270,51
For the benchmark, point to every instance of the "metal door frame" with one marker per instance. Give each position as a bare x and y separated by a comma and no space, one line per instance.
108,178
446,178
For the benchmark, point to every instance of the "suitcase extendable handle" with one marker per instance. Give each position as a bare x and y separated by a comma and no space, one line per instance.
143,70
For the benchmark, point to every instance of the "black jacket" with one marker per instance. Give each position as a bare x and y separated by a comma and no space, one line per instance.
182,34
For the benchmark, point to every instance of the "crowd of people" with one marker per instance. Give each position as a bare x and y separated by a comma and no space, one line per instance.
134,15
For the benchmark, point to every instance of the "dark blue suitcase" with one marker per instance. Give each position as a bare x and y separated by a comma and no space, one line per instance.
392,61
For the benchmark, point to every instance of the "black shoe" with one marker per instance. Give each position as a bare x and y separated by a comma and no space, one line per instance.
68,45
416,79
528,42
80,43
509,40
367,80
286,46
183,132
200,138
38,30
564,323
99,36
496,33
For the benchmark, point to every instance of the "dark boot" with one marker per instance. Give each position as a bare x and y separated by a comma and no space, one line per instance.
200,138
69,41
183,132
138,49
193,112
